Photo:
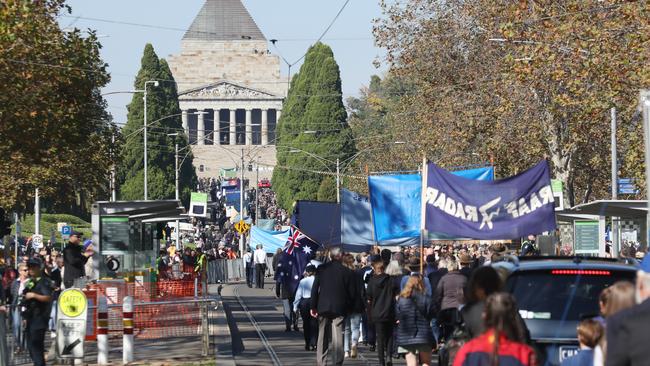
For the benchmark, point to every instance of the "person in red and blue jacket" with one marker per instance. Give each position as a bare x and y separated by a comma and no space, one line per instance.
503,343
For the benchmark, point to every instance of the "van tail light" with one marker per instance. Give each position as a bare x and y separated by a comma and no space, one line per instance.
584,272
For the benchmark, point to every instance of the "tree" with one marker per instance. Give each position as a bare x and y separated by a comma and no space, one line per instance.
163,118
327,190
519,81
54,128
313,130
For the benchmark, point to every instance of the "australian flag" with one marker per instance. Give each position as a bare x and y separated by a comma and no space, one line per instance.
297,253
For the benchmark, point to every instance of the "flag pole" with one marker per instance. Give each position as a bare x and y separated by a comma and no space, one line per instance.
423,211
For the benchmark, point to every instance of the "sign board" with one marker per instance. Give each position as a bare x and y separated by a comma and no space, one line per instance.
242,227
66,230
198,204
37,241
627,186
114,234
558,192
586,237
71,323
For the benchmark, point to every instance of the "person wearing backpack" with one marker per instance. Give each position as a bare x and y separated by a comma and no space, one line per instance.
414,311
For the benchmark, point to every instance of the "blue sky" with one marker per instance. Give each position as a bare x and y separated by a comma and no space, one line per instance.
296,24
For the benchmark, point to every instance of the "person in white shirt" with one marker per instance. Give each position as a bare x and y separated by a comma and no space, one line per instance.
259,258
302,302
248,260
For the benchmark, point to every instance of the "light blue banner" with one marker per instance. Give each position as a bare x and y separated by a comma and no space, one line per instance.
396,202
356,225
271,240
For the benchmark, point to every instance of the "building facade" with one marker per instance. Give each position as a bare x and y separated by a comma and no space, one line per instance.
230,90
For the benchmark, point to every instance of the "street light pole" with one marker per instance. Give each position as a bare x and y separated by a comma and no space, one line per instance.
155,83
338,182
241,203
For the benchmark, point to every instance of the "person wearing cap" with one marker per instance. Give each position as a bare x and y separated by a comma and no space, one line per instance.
74,259
37,298
627,330
302,303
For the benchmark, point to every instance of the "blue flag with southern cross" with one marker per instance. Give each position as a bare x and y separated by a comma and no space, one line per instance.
297,253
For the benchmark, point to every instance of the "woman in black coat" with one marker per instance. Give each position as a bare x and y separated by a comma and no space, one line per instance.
414,311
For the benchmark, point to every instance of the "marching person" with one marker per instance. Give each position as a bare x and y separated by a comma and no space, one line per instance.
259,257
331,297
248,263
302,303
37,299
380,296
503,342
74,259
414,310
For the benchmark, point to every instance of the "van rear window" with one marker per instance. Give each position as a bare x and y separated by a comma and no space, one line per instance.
556,294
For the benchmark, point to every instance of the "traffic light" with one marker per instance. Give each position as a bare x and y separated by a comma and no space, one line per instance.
5,225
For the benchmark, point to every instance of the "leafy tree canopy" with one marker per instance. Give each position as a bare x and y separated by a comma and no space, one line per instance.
54,128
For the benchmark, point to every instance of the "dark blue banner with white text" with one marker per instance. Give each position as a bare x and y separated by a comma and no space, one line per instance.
505,209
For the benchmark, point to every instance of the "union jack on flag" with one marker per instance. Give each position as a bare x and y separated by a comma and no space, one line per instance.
296,255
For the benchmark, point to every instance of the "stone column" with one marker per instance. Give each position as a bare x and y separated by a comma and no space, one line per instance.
200,129
233,127
249,127
265,127
185,124
216,135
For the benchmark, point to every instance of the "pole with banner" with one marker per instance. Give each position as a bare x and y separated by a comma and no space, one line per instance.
423,231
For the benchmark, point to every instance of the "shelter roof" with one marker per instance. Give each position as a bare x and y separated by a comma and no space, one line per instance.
620,208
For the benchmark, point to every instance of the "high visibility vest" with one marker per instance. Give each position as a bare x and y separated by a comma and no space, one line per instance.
200,263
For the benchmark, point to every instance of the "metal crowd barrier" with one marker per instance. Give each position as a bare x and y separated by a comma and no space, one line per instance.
232,270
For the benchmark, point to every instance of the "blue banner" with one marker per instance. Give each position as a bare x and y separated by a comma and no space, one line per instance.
271,240
396,202
506,209
356,224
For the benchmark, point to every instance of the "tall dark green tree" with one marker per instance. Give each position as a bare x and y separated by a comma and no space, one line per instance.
163,118
313,131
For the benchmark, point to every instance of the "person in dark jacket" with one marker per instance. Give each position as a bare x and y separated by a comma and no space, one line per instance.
381,303
483,282
284,293
74,259
627,330
503,343
331,297
414,310
449,297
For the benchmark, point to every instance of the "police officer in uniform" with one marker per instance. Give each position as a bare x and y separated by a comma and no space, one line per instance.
37,300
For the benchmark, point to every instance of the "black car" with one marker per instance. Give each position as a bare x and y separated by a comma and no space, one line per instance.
555,293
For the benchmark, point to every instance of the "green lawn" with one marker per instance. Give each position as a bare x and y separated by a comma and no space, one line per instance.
48,224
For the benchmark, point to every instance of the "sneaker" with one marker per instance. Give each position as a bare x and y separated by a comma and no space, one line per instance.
353,351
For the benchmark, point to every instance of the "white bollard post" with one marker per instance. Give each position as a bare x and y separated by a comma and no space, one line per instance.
127,322
102,331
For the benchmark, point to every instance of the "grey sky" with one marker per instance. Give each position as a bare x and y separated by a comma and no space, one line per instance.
294,23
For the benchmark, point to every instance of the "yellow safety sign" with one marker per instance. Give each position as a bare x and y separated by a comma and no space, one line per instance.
72,302
242,227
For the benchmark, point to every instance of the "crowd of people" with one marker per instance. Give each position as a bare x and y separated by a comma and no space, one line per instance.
30,290
454,304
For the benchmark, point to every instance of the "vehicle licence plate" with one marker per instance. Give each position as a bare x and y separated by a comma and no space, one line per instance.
567,351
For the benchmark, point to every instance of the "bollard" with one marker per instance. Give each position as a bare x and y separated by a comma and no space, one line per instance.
102,331
127,322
